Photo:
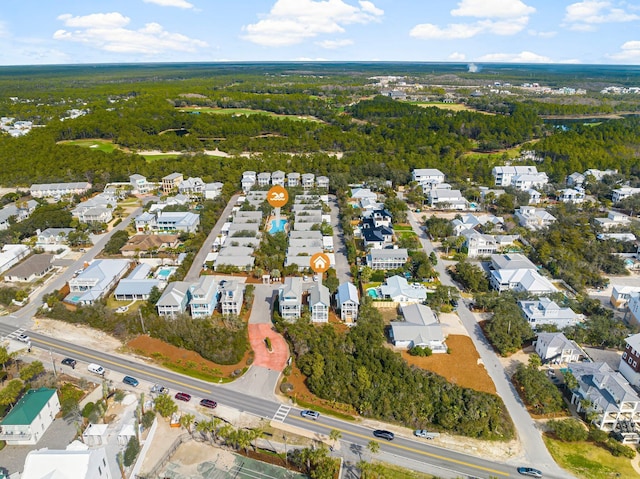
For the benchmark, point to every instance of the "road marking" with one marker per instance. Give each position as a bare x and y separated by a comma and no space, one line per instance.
16,333
411,449
114,363
281,413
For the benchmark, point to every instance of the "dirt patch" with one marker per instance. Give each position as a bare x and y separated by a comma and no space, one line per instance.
462,367
276,359
163,352
78,334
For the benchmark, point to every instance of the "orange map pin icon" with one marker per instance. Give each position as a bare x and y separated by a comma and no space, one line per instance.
320,262
277,196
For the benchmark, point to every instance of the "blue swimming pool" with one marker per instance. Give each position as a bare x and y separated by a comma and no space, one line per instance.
373,292
164,273
277,226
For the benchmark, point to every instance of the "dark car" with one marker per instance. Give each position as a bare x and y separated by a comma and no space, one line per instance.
210,403
130,381
309,414
183,397
69,362
381,433
529,471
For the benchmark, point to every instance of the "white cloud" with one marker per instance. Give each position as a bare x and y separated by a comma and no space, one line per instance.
333,44
499,17
522,57
585,15
535,33
106,31
457,57
492,9
630,52
171,3
292,21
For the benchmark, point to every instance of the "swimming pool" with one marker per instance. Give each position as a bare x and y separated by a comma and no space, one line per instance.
373,292
164,273
277,226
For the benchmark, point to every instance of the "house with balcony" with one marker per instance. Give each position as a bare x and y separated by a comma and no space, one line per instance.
192,187
420,328
383,259
137,285
16,212
170,183
203,297
174,299
503,175
213,190
470,221
264,178
322,182
622,193
248,180
447,199
621,295
571,195
609,396
167,222
427,177
96,281
534,196
377,237
58,190
555,348
319,303
546,311
290,298
139,184
347,302
231,297
526,181
307,180
293,179
575,179
514,271
533,218
630,361
30,418
52,238
278,178
97,209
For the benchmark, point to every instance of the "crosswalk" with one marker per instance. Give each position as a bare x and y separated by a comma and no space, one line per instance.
16,333
281,413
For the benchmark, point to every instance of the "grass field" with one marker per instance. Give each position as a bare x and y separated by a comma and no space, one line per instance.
448,106
102,145
389,471
402,228
245,111
162,156
588,461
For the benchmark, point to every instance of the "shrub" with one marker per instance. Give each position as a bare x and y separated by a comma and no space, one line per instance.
598,435
617,449
420,351
88,409
131,452
569,430
147,419
267,341
286,388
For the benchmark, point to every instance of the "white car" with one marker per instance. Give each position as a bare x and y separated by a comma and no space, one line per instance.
24,338
122,309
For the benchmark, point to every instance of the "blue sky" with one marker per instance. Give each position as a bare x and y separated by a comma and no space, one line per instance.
126,31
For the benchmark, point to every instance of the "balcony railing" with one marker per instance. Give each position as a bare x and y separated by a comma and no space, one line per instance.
15,436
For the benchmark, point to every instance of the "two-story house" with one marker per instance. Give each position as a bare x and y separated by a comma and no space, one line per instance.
140,184
387,258
503,175
290,298
231,297
29,419
203,297
319,303
171,182
630,361
546,311
347,302
556,348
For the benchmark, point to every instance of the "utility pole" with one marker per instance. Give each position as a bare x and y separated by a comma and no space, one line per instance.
144,331
53,363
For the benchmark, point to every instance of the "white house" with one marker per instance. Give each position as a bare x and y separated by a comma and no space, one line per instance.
420,328
140,184
29,419
290,298
515,272
203,297
622,193
96,280
319,302
77,461
612,220
621,294
347,302
397,289
427,177
504,175
16,212
387,258
53,190
533,218
174,299
248,180
570,195
231,297
12,254
448,199
610,397
547,311
557,349
527,181
212,190
277,178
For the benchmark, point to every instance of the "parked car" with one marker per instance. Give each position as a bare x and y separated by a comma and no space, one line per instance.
69,362
183,397
423,433
159,389
24,338
96,369
210,403
529,471
381,433
309,414
122,309
130,381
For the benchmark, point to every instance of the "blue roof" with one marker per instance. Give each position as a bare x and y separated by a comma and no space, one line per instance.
347,291
136,286
141,271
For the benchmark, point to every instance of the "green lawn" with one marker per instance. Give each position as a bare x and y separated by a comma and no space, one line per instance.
162,156
95,144
588,461
402,228
246,111
389,471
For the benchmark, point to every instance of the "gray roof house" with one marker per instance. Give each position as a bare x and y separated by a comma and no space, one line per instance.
277,178
44,190
203,297
293,179
290,298
96,281
322,182
231,297
19,211
136,285
557,349
264,178
174,299
387,258
396,288
34,267
449,199
547,311
615,403
347,302
319,302
307,180
53,236
419,328
533,218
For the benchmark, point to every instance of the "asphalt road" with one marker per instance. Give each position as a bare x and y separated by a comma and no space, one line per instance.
355,437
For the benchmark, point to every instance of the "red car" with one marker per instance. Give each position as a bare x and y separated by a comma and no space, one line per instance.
210,403
183,397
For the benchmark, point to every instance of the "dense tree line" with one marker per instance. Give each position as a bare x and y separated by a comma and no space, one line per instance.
357,369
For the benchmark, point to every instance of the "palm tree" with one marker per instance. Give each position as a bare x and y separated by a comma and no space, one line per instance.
215,425
373,447
203,427
334,436
186,421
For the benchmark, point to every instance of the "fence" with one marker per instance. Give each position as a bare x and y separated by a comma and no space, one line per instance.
165,458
